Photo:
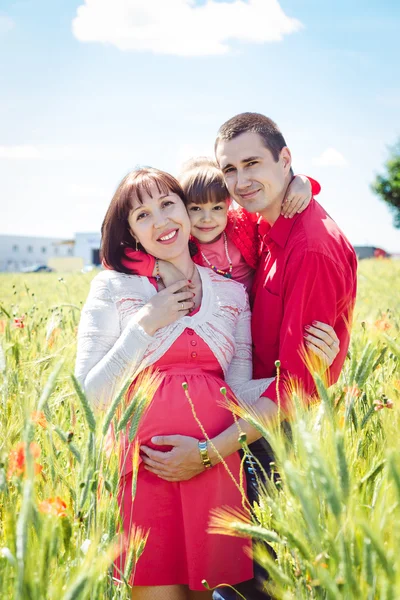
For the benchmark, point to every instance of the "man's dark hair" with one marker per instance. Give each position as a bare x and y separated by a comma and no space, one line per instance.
255,123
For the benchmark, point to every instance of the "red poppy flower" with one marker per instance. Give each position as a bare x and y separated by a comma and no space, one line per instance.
39,418
17,459
53,506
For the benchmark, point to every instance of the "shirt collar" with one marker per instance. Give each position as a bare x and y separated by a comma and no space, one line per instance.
279,232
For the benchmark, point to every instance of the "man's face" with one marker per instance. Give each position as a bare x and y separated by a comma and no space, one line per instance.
252,176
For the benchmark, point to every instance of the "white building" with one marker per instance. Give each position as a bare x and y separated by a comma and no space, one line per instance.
21,252
87,246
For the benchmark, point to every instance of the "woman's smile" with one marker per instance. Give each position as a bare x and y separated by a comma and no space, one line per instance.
168,237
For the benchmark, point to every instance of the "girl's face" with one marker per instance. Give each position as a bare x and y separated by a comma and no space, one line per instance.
161,224
208,221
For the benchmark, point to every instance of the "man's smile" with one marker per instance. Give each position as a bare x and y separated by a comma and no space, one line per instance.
248,195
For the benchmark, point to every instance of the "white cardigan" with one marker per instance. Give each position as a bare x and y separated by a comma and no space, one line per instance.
112,346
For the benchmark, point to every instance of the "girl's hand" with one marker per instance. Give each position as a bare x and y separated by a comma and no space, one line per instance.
323,341
169,273
298,196
166,307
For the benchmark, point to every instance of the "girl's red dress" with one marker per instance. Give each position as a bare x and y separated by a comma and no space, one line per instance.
179,549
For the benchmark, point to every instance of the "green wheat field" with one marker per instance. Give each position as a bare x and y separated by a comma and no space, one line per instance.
332,515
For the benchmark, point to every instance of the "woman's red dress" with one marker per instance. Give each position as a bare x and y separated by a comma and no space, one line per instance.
179,550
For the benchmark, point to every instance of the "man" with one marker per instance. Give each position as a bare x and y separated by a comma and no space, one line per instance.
307,271
307,268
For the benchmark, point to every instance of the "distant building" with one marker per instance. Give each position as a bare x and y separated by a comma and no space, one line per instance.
66,264
18,253
22,252
87,246
370,252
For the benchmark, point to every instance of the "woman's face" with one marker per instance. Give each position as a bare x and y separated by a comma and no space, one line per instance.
160,224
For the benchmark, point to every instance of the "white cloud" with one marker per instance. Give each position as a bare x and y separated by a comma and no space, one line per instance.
6,23
330,158
180,27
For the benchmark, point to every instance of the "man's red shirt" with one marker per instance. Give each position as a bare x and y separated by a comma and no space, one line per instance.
307,273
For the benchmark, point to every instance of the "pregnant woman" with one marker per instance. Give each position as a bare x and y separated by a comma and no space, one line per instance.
199,335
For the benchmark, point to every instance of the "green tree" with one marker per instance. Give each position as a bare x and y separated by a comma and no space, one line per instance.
387,186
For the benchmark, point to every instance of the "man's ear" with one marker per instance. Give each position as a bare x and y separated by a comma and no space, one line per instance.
286,159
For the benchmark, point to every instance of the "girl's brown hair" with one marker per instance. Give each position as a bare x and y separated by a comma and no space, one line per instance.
202,182
115,232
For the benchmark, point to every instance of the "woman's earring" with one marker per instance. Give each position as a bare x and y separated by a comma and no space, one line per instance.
136,248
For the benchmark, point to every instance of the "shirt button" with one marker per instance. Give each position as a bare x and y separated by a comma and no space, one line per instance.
194,343
194,354
190,331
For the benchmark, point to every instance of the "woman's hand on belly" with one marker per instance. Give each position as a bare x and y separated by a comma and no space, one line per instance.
179,464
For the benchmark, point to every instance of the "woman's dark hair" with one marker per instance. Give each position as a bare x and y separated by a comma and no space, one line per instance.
115,233
202,181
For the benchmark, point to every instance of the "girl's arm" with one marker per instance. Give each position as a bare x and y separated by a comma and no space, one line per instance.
299,195
147,266
141,263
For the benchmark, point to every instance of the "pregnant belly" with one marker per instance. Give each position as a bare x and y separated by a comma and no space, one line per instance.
171,412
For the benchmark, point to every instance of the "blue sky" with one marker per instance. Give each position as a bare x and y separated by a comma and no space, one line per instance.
90,89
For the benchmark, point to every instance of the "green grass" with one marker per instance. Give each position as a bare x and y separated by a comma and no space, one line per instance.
334,514
67,554
336,505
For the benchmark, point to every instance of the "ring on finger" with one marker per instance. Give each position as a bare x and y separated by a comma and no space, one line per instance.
182,306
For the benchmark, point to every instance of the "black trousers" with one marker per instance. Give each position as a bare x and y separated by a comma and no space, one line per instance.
251,589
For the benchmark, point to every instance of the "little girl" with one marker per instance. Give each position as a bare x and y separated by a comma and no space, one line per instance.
224,238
